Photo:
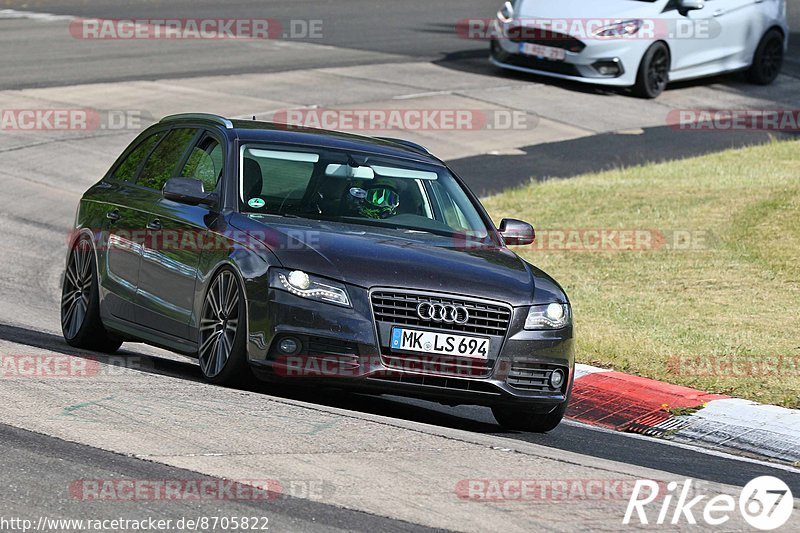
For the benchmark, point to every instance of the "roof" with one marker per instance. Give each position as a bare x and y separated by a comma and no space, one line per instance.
264,131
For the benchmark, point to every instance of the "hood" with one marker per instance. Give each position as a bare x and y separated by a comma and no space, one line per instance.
378,257
588,9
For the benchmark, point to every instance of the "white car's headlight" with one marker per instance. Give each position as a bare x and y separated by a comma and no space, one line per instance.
506,13
301,284
552,316
623,28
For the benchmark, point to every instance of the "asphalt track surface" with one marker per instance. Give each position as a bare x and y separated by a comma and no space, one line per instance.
358,33
37,471
360,30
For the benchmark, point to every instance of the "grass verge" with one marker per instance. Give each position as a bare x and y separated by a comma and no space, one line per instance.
685,271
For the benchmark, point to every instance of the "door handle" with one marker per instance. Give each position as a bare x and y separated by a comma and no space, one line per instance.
113,215
719,12
154,225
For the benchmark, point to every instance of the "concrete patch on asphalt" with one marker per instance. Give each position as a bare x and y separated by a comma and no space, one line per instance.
745,427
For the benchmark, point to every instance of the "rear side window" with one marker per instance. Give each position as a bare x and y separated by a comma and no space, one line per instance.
163,162
126,171
205,163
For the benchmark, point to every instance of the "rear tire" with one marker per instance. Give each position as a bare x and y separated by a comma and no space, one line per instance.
653,74
80,303
222,339
767,60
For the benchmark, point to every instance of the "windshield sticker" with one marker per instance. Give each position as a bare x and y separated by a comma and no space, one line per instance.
357,192
256,203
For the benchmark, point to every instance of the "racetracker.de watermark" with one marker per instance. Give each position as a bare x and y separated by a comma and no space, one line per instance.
201,489
56,366
545,490
387,119
777,120
734,366
568,32
595,240
319,365
179,29
71,120
195,240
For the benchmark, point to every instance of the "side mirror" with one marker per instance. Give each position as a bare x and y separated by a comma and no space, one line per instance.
685,6
188,191
516,232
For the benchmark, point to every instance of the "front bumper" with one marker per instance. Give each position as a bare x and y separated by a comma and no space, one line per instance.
621,58
349,348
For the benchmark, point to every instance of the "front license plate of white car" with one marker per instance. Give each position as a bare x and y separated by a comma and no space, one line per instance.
547,52
439,343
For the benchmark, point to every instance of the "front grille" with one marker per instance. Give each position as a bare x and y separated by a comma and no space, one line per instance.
441,383
534,63
438,364
544,37
400,308
531,376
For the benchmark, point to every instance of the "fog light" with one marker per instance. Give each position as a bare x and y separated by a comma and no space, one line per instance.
289,346
608,68
557,379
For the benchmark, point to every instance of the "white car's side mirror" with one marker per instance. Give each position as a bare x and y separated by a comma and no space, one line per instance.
691,5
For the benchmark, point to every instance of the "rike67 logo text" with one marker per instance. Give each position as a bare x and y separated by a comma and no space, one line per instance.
765,503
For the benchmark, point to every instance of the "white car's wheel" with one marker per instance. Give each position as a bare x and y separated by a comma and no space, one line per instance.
768,59
653,72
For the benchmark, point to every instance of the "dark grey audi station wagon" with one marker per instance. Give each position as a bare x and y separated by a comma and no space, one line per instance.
317,258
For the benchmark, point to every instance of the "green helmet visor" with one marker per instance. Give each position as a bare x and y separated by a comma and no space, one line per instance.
383,197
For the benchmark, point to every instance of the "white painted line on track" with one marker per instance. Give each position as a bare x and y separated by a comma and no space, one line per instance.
13,14
584,370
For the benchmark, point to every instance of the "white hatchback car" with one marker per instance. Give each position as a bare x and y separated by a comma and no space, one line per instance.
641,43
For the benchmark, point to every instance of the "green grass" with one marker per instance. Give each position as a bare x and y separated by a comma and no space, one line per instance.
734,297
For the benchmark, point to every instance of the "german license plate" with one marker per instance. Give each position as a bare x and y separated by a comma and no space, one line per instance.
439,343
547,52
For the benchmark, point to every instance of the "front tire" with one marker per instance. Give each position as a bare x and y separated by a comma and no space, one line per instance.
517,419
80,303
222,342
521,419
767,60
653,74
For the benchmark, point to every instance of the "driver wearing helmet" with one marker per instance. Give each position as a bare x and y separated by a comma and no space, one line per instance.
379,201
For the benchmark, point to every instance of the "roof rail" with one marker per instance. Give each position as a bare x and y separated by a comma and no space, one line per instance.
408,144
208,117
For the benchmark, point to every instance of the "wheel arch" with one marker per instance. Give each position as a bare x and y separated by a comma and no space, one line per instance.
669,52
776,27
251,281
72,241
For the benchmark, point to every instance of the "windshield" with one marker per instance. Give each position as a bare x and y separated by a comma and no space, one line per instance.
355,188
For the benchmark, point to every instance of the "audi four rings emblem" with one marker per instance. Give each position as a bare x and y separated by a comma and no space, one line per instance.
449,314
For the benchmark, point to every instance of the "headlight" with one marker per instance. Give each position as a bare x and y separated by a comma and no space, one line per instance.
620,29
301,284
506,13
553,316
